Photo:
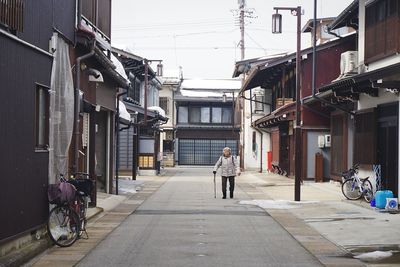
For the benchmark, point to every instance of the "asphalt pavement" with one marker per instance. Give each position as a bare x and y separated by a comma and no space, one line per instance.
174,220
182,224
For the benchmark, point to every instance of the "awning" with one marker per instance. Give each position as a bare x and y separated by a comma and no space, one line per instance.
367,82
124,116
280,115
160,112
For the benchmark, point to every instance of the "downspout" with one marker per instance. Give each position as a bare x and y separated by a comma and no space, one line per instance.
314,66
77,107
146,85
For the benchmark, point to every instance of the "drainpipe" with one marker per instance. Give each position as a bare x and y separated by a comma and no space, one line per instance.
314,67
76,97
146,85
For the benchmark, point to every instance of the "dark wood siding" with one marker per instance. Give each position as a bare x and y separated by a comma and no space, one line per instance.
382,30
327,65
99,13
64,18
338,145
365,138
38,17
24,172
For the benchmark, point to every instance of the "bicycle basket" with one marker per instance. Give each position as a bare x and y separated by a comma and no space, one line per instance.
61,193
83,185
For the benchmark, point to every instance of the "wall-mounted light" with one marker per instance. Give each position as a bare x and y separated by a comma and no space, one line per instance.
224,97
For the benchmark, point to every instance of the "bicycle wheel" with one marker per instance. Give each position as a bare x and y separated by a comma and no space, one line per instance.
351,190
368,192
63,226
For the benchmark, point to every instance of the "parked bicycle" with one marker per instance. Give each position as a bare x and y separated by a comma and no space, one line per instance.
354,187
67,220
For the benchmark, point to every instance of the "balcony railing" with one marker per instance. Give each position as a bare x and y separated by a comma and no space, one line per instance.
12,14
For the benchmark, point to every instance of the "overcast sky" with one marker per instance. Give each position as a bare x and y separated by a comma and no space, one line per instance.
202,36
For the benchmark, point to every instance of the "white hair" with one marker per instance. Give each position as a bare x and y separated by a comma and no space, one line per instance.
227,149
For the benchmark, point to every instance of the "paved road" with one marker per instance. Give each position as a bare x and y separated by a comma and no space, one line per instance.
183,225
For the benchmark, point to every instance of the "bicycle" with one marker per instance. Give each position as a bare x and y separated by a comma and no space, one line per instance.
354,187
67,220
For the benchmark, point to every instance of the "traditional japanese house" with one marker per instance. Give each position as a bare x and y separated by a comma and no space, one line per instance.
278,79
370,90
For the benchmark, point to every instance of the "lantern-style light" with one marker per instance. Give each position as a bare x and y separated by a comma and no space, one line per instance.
276,23
160,69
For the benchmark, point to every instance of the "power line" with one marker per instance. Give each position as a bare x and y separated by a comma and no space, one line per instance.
172,35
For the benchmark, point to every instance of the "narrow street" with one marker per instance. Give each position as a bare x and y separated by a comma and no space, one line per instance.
182,224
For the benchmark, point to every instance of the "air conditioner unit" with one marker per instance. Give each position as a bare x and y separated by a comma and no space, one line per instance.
348,62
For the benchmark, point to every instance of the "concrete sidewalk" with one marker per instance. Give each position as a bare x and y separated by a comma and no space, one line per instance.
353,227
111,210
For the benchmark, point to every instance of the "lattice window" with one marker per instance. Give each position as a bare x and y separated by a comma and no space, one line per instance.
12,14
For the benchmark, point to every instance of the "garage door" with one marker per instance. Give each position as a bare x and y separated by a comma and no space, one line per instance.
203,151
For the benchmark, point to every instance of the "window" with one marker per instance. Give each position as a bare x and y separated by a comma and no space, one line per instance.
12,14
183,115
134,90
205,115
146,161
194,115
42,103
254,142
164,103
382,27
216,115
258,105
226,115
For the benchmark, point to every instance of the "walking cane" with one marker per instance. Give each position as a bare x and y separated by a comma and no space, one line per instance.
215,188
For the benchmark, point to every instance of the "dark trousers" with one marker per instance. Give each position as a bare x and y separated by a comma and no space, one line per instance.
231,185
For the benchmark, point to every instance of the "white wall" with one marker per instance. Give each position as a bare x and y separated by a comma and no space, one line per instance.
367,101
252,160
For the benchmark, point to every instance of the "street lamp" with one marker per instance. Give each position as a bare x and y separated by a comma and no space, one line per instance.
277,28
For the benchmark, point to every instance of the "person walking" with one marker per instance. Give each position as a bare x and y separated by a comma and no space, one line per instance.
229,169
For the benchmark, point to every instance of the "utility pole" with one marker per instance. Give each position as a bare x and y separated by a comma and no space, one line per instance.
242,14
242,5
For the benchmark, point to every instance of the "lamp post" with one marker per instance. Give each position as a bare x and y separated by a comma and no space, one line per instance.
277,28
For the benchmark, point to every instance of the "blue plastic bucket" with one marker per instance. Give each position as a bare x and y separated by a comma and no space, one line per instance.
380,198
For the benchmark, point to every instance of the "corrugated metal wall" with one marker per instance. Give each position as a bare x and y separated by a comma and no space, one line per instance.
23,178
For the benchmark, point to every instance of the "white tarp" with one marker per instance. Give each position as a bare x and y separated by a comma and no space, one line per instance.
159,110
123,112
61,110
119,68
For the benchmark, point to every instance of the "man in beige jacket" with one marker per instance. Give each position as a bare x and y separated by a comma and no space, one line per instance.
229,169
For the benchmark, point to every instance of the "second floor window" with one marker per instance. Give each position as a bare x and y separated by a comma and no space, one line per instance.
164,104
205,115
